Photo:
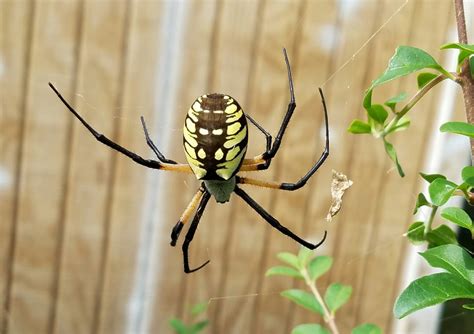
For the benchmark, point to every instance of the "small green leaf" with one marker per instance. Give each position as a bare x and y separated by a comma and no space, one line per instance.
367,102
304,299
367,329
304,255
467,175
199,308
431,290
358,127
197,327
416,233
402,124
469,307
460,128
442,235
420,201
319,266
283,271
378,113
453,259
431,177
337,295
407,60
392,102
466,47
457,216
471,66
393,155
309,329
289,258
424,78
440,191
178,326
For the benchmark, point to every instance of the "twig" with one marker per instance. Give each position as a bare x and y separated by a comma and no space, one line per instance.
464,78
328,317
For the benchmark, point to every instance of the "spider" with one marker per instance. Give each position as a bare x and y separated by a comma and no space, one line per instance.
215,142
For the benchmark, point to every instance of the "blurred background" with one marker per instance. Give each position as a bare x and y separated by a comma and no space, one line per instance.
84,232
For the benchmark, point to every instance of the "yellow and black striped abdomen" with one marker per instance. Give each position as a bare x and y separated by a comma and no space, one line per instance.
215,137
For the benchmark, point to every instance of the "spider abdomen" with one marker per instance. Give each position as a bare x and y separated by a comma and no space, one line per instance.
215,137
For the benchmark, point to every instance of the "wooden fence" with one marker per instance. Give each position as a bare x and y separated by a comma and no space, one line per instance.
84,232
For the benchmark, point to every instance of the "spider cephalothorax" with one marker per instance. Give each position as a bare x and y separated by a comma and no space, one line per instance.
215,139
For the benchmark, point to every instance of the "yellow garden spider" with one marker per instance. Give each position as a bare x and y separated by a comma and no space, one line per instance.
215,141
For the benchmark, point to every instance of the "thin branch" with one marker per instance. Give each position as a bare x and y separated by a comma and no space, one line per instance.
465,79
328,317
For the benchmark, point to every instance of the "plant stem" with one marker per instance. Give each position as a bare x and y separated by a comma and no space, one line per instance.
430,220
414,100
464,78
328,317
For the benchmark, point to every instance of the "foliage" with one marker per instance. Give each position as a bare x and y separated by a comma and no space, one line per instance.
309,268
457,280
180,327
405,61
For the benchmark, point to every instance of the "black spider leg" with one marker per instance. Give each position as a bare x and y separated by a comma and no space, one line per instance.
269,154
153,147
273,222
322,158
106,141
268,138
190,234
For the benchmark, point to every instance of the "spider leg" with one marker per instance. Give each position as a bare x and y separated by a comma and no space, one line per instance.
273,222
259,158
106,141
192,230
254,165
186,215
153,147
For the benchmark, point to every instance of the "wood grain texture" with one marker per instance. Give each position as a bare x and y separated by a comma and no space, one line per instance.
84,231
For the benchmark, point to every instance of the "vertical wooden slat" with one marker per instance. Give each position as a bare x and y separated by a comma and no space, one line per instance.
267,101
180,292
302,146
40,192
130,179
15,38
99,83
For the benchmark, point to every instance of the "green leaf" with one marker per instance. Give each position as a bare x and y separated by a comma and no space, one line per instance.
440,191
469,307
460,128
392,102
197,327
304,299
431,290
378,113
466,47
289,258
199,308
178,326
453,259
367,329
431,177
467,175
309,329
402,124
304,255
319,266
420,201
283,271
471,66
424,78
367,102
416,233
442,235
406,60
457,216
337,295
393,155
358,127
